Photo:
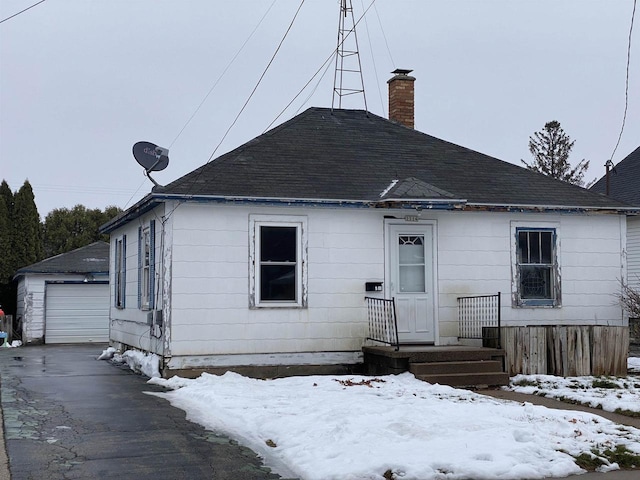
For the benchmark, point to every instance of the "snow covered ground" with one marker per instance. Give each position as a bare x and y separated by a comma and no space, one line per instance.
347,428
613,394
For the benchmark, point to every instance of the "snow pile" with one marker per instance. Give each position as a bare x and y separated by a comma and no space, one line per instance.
145,363
337,427
633,364
107,354
608,393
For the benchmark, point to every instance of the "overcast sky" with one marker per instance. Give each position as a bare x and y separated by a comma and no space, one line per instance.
82,80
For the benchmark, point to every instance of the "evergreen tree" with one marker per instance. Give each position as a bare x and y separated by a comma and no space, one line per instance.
550,149
6,234
27,242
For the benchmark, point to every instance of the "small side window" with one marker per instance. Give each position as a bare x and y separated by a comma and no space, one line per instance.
120,269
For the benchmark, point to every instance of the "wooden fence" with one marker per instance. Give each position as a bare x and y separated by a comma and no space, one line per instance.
566,350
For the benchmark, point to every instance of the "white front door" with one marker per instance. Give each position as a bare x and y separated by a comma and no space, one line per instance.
411,279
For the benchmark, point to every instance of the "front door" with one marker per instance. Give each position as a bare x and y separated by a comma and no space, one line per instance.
411,281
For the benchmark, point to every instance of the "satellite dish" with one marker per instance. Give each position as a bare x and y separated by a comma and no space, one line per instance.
151,157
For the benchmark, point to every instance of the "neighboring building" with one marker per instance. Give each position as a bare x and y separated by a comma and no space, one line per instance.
262,256
624,185
65,298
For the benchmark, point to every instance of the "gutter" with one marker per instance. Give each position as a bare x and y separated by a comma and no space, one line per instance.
152,200
492,207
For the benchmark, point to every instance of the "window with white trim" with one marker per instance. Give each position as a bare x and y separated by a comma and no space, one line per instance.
120,271
146,266
537,280
278,255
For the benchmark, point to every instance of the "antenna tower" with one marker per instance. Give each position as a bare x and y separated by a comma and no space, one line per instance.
348,66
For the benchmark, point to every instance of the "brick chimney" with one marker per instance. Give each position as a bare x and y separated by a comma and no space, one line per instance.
401,97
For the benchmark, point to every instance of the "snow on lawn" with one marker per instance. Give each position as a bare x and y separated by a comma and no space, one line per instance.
613,394
633,364
338,427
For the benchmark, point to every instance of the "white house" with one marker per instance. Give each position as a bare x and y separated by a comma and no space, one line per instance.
262,257
65,298
624,185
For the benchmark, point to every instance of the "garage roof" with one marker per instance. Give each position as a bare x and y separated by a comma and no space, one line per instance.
93,258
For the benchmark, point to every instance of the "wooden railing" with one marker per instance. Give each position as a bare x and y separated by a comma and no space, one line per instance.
479,318
383,325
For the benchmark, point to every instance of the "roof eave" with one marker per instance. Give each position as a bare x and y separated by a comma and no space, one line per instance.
144,205
330,202
515,207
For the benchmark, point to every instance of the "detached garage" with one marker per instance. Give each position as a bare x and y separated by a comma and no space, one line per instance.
65,299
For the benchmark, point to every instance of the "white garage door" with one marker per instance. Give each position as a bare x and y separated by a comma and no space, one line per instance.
77,313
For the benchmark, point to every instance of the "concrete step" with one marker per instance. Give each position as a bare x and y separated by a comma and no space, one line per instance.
491,379
432,368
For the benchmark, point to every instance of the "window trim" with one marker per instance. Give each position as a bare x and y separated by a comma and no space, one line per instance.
146,266
120,272
555,300
300,223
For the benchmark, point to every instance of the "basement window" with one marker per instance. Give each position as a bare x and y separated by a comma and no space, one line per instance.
537,267
278,256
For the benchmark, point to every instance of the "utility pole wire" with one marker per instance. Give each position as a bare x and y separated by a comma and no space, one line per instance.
626,90
21,11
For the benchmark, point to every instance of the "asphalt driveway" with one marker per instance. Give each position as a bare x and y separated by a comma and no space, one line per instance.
69,416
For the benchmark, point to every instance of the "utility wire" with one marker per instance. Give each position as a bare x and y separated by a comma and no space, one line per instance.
222,74
258,83
326,62
326,69
21,11
384,36
333,52
201,169
626,90
373,61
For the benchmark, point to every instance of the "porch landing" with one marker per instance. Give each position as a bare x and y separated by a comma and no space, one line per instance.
459,366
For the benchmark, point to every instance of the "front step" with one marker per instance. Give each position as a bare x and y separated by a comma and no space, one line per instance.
461,373
434,368
490,379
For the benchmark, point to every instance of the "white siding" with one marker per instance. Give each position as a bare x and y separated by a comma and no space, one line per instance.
210,283
205,274
31,303
633,251
475,259
129,325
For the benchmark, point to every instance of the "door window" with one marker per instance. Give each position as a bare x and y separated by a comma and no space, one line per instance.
411,264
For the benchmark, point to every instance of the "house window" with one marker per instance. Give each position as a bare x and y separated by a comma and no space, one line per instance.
120,271
537,267
146,266
278,257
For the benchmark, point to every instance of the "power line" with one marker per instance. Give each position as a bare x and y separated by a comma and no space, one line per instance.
286,33
21,11
333,52
373,60
626,89
258,83
223,73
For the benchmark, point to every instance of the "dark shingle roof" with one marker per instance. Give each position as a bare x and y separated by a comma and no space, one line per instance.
624,181
355,155
93,258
